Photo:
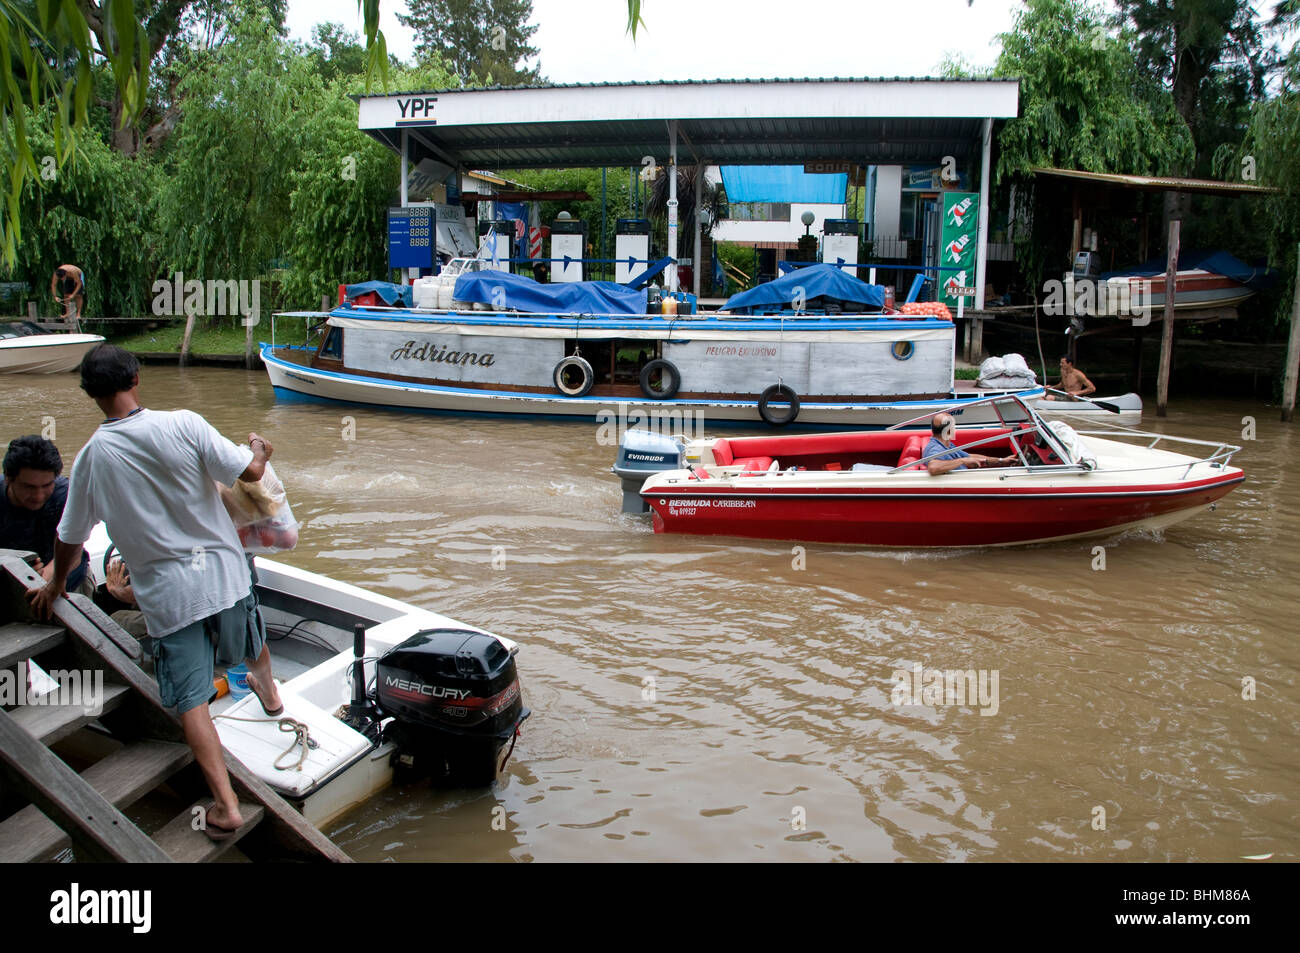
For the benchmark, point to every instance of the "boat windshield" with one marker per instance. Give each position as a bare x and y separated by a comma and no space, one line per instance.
1012,412
19,329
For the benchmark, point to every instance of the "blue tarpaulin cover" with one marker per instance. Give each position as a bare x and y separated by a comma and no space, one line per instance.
817,281
502,290
783,183
1217,262
388,292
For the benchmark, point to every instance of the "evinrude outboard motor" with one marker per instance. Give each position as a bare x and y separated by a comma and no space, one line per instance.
642,454
453,696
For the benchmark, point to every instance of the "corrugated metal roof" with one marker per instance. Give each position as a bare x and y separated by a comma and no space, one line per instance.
699,82
872,120
1158,183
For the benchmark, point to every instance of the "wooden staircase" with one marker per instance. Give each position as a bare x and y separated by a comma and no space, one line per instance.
132,754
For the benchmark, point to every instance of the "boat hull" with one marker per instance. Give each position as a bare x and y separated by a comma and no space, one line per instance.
292,380
45,353
913,516
1128,295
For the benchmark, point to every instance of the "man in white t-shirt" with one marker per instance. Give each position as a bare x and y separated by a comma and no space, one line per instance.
151,477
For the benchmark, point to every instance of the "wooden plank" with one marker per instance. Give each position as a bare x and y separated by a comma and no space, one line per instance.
49,724
90,818
101,620
1167,331
19,641
286,829
185,845
1292,355
91,649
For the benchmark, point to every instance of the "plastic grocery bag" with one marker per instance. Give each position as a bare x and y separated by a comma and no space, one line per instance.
261,514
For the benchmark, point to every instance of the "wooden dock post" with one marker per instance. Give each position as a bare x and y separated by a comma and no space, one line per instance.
185,341
31,312
1292,354
248,344
324,302
1167,331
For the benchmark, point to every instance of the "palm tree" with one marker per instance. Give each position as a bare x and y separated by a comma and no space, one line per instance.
656,203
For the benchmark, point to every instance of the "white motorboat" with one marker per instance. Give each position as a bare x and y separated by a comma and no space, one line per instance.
338,761
26,348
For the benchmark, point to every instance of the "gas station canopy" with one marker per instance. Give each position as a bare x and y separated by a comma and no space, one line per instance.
896,121
770,122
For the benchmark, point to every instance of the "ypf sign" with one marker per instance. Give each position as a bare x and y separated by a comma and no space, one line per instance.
416,110
957,244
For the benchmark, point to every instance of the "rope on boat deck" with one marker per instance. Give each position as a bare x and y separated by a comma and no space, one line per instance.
302,738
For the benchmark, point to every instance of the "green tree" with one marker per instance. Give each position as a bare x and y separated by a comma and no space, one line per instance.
1202,51
483,41
1083,104
226,195
1270,149
336,51
341,187
98,213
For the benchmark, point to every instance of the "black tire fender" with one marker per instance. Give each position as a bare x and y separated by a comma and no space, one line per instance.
672,382
780,393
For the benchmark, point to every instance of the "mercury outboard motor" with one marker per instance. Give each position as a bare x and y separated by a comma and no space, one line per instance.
453,695
642,454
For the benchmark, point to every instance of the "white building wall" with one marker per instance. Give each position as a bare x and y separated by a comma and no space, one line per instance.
750,232
889,192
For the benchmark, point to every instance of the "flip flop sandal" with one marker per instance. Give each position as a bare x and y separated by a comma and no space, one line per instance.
216,832
270,714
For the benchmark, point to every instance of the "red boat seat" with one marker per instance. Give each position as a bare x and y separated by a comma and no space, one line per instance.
724,456
912,451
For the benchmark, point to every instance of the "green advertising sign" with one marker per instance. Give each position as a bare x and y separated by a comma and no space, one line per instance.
958,242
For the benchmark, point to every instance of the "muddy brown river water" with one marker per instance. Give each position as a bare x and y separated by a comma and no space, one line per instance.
723,699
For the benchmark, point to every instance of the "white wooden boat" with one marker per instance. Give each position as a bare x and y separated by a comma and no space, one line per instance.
26,348
490,345
1125,410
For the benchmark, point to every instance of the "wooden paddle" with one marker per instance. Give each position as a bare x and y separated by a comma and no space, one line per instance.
1103,404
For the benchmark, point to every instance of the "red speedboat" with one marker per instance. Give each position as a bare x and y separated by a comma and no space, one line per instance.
874,488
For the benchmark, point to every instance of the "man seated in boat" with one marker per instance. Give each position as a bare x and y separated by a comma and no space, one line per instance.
1073,381
943,430
32,497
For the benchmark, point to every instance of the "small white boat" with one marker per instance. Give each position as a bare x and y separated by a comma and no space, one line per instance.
1125,410
311,622
26,348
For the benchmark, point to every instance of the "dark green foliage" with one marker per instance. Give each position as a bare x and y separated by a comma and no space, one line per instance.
483,41
1083,103
96,213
